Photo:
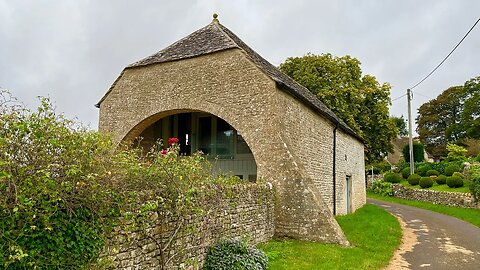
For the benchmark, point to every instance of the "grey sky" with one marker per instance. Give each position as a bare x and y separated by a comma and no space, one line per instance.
72,51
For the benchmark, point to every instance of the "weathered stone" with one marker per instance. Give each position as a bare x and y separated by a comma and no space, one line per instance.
456,199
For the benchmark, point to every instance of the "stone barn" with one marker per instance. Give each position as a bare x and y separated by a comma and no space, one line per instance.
219,96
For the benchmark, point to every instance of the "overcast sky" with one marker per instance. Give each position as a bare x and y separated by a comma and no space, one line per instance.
72,51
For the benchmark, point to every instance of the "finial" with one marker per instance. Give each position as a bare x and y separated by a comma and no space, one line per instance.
215,16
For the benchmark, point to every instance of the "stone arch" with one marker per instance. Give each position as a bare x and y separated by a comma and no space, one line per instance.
143,125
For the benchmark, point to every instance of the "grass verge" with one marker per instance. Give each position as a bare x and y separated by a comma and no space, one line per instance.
470,215
373,233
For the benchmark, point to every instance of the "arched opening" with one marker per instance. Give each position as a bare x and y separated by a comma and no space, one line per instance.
222,144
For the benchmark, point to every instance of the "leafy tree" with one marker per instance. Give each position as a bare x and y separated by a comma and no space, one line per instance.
401,125
455,152
471,108
361,101
452,117
418,152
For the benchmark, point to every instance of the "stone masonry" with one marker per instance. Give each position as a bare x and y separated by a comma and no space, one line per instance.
290,132
248,213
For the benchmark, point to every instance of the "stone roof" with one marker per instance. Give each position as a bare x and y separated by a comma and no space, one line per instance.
216,37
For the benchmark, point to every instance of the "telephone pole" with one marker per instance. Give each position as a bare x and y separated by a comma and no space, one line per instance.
410,138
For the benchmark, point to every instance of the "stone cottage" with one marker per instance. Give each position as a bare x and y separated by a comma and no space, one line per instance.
219,96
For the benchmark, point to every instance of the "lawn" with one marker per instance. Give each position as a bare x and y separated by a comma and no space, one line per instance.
373,233
470,215
444,187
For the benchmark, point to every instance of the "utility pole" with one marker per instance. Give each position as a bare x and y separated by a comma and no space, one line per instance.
410,138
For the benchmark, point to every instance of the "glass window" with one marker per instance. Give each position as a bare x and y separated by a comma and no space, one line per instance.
225,135
205,134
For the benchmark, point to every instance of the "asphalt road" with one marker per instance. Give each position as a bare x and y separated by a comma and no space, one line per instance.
433,241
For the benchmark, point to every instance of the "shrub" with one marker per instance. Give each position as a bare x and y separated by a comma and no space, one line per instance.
405,173
474,176
441,179
426,182
454,181
236,255
478,158
455,152
459,175
418,152
383,188
414,179
378,167
63,187
422,170
392,177
432,172
450,169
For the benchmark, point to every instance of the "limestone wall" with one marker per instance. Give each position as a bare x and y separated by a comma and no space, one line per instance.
456,199
235,212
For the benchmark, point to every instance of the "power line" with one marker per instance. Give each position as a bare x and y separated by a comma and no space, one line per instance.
446,56
398,97
422,95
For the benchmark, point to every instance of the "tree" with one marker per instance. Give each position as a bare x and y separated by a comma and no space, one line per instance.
452,117
401,125
360,101
418,152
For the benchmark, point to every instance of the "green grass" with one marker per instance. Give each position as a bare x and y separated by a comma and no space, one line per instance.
470,215
373,233
444,187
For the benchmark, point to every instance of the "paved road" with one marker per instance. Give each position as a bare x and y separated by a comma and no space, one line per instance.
433,241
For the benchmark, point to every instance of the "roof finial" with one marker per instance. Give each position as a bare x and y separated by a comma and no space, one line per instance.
215,16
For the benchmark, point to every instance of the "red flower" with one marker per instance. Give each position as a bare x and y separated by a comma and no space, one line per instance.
163,152
172,141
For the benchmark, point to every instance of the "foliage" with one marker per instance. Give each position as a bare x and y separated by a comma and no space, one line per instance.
392,177
452,168
235,254
63,188
455,152
451,117
414,179
405,172
418,152
454,181
360,101
474,176
478,158
401,125
383,188
373,233
425,182
441,179
432,172
423,169
459,174
378,167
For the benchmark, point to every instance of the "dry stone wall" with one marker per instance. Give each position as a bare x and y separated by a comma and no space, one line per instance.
456,199
242,211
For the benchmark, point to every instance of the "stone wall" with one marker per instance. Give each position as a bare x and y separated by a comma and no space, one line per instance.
234,212
456,199
373,178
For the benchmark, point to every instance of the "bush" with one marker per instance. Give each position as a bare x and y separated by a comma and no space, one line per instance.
405,173
432,172
459,175
474,176
418,152
422,170
414,179
383,188
63,187
236,255
454,181
441,179
478,158
426,182
378,167
450,169
392,177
